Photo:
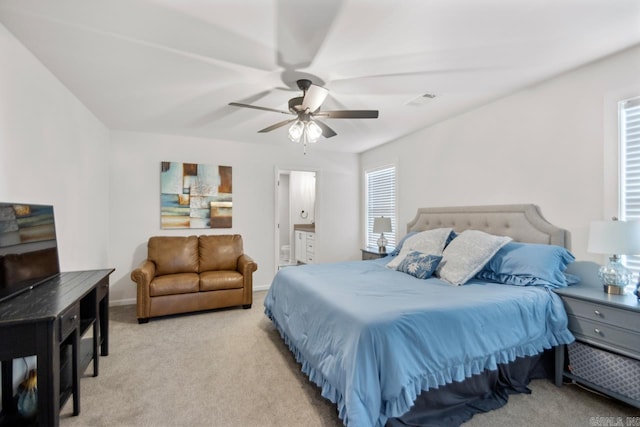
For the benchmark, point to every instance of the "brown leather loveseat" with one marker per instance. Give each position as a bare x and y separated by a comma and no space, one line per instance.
185,274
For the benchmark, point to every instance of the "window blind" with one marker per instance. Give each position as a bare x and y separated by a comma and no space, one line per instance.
380,201
629,124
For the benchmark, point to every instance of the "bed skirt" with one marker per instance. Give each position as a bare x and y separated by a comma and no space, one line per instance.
457,402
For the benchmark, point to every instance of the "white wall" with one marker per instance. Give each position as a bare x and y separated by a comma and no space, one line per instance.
302,196
53,151
134,212
552,145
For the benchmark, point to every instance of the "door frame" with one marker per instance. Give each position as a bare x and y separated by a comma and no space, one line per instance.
287,170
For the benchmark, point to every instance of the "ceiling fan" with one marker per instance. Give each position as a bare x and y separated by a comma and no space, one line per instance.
306,126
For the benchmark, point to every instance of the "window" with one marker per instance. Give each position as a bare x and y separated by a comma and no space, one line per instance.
629,184
380,188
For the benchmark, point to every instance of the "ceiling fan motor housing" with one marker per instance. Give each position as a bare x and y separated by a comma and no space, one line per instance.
303,84
295,104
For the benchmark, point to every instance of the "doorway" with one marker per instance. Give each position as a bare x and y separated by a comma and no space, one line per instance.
295,217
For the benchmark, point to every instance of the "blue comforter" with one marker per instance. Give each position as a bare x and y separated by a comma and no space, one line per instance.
374,338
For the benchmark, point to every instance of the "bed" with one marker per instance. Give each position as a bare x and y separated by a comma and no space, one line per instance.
389,348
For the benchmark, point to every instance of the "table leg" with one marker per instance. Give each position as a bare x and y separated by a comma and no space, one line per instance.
48,368
96,338
104,324
75,366
7,387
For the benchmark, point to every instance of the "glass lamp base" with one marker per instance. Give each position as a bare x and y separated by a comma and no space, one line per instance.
613,289
382,244
614,276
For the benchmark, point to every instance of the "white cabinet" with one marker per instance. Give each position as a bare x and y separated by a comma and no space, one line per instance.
310,245
300,246
305,246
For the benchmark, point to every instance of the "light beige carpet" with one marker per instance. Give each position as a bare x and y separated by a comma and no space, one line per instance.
231,368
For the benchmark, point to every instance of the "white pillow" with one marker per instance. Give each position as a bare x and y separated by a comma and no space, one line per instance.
430,242
467,254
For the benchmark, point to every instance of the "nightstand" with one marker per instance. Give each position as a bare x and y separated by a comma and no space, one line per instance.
606,353
371,253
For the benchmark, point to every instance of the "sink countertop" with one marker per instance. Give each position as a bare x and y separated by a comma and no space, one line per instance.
305,227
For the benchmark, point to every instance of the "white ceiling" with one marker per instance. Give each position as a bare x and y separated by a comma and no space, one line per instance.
172,67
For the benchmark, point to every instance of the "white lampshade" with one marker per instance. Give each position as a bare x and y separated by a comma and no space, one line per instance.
614,237
382,225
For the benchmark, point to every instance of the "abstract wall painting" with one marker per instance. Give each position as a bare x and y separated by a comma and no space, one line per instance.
194,195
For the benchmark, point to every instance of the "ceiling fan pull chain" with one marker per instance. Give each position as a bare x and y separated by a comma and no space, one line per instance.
304,143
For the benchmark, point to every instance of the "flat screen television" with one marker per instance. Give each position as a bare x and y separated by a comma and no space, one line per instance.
28,247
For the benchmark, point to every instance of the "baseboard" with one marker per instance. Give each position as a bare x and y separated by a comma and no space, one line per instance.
132,301
127,301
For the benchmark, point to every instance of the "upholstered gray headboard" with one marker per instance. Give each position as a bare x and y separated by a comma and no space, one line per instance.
523,223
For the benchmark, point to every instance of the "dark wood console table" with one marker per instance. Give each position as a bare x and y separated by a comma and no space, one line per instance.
54,315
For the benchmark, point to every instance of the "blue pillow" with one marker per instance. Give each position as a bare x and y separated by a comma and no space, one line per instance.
572,279
452,236
419,265
528,264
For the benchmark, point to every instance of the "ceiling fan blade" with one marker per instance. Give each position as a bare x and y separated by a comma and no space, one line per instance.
349,114
302,31
327,132
314,97
277,125
255,107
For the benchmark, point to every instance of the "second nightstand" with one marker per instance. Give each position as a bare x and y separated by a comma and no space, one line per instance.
606,354
371,253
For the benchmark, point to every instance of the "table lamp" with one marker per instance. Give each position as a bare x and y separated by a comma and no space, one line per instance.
382,225
614,238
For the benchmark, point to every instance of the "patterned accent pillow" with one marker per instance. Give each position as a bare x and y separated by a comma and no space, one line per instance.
467,254
428,242
419,265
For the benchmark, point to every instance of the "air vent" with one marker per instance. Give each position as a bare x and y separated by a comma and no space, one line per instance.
422,99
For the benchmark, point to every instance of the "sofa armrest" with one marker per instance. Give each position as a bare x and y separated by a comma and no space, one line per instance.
246,267
143,275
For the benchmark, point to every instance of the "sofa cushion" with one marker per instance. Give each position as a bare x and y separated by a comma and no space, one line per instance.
221,279
173,254
220,252
172,284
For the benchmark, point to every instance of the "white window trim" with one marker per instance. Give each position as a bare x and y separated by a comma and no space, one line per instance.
631,262
392,237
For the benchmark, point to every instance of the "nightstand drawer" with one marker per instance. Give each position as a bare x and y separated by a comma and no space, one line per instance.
602,313
614,338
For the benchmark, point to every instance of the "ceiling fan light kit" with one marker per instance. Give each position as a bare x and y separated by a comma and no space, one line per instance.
307,128
305,132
